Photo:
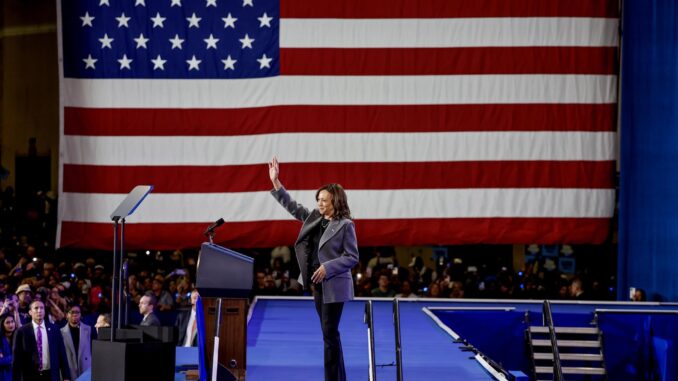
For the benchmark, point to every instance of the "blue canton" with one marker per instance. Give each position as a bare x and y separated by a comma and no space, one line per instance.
170,38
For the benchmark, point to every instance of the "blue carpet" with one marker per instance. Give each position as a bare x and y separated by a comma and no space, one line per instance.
284,342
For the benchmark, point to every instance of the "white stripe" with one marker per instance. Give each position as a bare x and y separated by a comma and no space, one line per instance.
339,90
337,147
460,32
365,204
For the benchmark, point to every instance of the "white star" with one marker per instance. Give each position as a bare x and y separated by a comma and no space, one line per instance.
264,62
124,62
106,41
248,2
87,19
122,20
246,41
211,42
211,2
193,21
265,20
158,20
193,63
140,2
141,41
229,21
104,2
176,2
158,63
176,42
89,61
229,63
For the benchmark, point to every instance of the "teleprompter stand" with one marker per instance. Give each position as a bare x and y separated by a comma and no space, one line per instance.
130,354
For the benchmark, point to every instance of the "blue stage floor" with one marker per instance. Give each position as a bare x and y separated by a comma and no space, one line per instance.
284,342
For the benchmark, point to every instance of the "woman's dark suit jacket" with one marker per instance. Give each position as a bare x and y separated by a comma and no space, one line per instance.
337,251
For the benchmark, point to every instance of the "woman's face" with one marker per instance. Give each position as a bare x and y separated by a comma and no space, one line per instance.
325,203
9,324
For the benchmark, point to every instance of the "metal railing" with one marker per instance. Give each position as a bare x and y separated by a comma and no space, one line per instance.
548,322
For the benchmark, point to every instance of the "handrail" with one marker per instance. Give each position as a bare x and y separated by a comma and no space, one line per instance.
398,344
548,322
369,320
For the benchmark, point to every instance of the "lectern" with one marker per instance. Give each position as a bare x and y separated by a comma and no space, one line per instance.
224,280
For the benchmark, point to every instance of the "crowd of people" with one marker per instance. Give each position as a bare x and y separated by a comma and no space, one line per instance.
74,287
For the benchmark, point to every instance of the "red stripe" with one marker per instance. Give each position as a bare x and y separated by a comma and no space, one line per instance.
427,175
359,9
370,233
448,61
286,119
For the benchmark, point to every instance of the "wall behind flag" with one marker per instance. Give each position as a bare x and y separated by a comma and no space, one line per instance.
648,207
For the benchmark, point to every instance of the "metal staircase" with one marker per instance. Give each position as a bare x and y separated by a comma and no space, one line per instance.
565,353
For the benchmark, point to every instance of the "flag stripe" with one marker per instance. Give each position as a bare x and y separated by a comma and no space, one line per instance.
445,61
404,232
366,204
277,119
245,178
447,33
357,9
347,90
337,147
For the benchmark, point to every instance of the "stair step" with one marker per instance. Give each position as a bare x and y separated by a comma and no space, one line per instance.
575,330
571,370
569,356
568,343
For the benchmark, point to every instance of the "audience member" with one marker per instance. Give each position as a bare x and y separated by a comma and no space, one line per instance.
103,321
39,353
383,290
25,298
577,289
78,342
188,324
147,308
7,329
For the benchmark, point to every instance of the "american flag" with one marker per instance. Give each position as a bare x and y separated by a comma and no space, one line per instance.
447,121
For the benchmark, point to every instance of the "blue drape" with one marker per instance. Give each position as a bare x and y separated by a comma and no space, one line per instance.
202,362
648,203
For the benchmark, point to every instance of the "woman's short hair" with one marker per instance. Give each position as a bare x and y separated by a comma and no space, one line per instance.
339,200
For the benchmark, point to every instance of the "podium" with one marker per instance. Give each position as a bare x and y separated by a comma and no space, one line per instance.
224,281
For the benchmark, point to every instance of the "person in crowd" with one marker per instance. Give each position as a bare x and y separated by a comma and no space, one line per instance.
77,341
39,353
147,309
384,287
165,300
639,295
406,290
7,329
188,324
10,307
326,251
577,289
25,295
103,321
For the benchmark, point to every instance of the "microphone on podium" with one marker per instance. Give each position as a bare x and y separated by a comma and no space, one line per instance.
210,229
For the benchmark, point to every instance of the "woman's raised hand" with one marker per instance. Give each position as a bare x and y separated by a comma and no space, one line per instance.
274,172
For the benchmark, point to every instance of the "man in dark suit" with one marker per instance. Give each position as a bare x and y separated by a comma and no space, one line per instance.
146,307
39,353
187,324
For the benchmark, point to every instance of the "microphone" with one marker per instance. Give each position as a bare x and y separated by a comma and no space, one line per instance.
210,229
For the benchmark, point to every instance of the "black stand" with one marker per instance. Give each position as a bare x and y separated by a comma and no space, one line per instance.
136,354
